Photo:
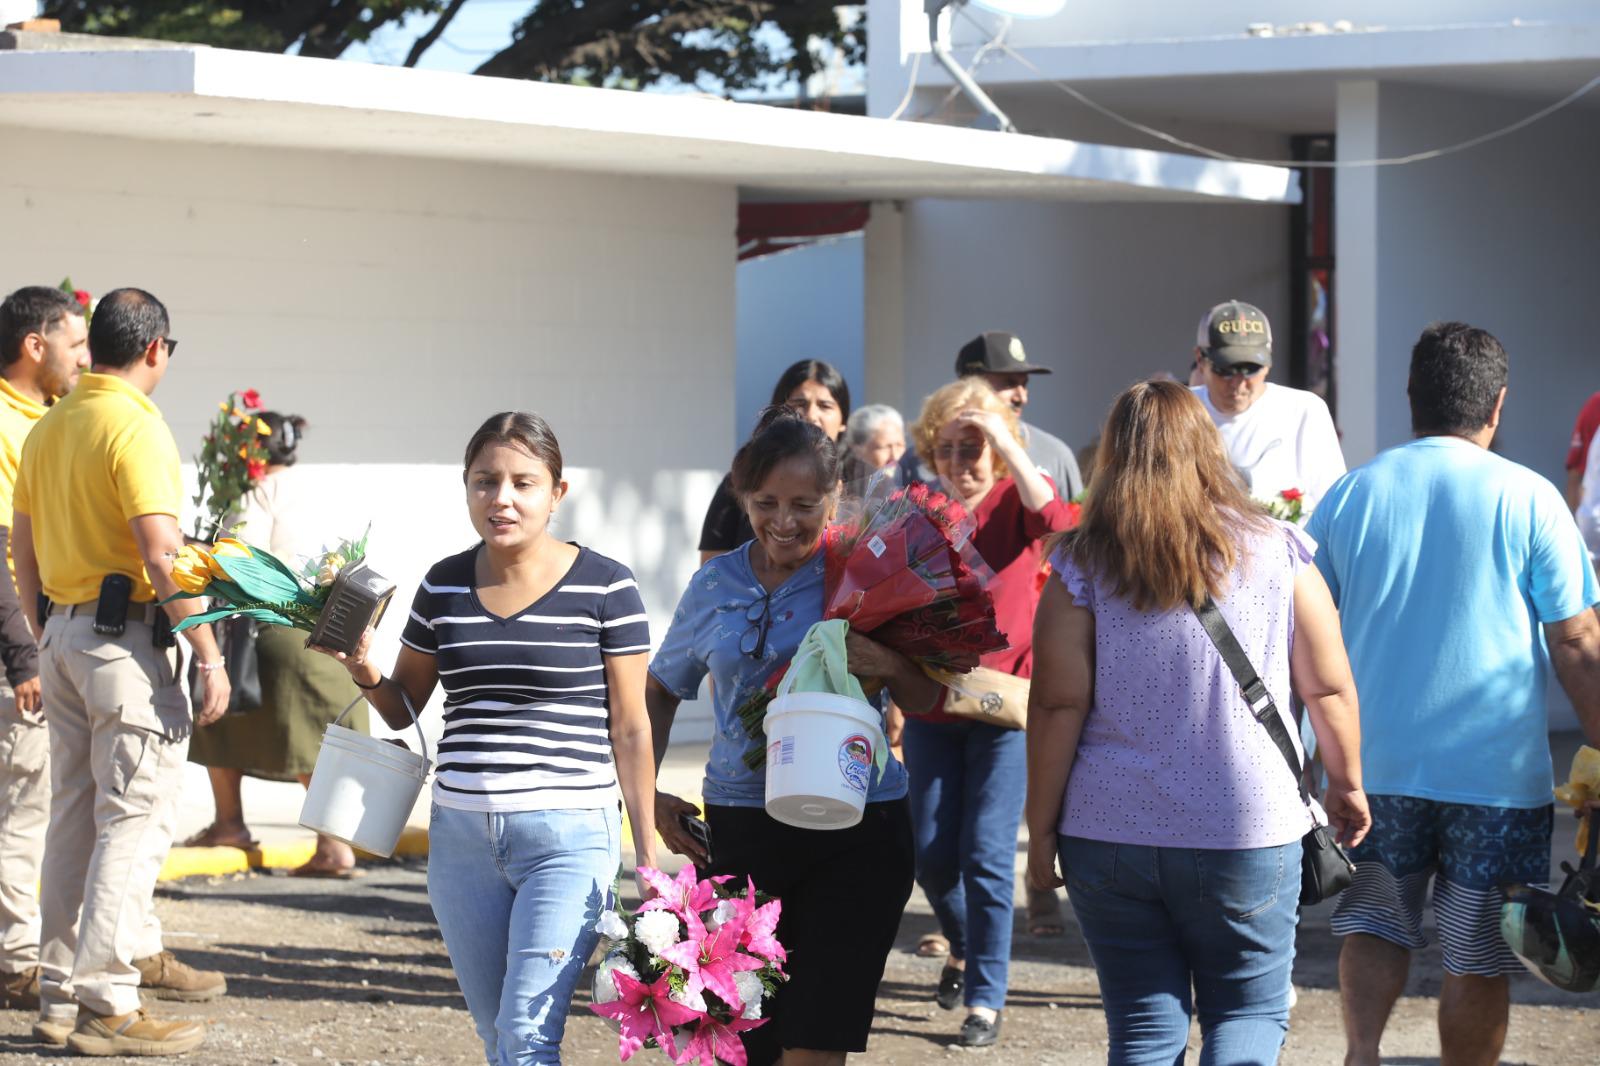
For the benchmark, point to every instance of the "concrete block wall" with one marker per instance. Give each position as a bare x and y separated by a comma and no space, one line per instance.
397,302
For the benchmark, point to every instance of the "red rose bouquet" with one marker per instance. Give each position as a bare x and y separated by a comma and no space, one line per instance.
902,571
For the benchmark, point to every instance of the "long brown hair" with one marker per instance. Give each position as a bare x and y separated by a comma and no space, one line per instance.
1165,513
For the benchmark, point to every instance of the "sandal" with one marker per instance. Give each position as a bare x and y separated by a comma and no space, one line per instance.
1044,914
212,837
933,946
332,873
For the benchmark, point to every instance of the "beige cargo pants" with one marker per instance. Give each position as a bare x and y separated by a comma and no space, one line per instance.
119,732
24,813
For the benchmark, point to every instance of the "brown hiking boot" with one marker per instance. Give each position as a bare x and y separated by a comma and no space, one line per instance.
164,977
133,1034
53,1033
20,991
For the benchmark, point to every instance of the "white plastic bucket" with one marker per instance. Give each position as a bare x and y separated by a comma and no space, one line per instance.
821,749
362,788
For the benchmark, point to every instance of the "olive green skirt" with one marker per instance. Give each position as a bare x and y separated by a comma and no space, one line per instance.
301,692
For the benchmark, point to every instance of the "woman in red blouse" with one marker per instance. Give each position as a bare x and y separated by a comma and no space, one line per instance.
968,778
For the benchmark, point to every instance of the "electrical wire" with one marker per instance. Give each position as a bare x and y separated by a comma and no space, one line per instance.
911,87
1323,164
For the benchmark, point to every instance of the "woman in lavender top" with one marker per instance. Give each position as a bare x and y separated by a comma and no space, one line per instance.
1179,822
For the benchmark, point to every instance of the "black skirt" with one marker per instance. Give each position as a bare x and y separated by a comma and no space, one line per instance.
843,892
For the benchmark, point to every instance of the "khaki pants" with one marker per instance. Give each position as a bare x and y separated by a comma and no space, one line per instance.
24,813
119,732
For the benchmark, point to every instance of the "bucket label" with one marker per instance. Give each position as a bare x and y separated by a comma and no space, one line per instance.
877,547
781,752
855,761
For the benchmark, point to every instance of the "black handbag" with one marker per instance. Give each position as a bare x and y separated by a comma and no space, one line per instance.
1325,869
236,639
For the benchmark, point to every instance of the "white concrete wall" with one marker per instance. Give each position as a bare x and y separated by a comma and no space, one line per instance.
396,303
800,304
1104,294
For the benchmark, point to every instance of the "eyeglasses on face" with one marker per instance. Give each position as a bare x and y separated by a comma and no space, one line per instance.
967,451
753,642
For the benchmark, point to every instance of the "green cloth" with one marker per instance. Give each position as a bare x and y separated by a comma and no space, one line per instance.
822,664
301,693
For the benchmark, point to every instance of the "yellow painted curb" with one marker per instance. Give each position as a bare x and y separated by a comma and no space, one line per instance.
284,854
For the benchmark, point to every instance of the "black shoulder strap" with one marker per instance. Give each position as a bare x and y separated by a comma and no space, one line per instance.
1255,691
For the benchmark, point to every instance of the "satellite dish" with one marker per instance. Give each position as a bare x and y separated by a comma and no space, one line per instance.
1022,9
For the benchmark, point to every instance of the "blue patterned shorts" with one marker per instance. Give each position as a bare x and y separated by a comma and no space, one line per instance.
1468,852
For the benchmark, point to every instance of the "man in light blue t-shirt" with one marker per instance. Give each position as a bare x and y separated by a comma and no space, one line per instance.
1460,578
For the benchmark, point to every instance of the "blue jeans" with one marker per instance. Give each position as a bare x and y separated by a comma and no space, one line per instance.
1158,919
517,895
967,784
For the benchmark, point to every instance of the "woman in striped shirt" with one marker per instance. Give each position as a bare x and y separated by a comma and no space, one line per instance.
540,646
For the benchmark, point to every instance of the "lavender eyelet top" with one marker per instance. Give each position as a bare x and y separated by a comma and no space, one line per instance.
1170,755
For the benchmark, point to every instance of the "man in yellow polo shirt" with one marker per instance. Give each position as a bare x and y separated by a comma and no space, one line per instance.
96,527
44,346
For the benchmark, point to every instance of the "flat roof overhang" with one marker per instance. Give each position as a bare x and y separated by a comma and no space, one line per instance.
216,96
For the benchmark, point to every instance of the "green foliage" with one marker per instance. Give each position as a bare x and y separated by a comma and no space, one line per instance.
718,45
232,459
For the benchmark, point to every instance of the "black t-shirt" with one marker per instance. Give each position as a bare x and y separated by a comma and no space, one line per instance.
726,526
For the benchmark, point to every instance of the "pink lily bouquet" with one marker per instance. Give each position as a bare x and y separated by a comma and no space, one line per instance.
690,970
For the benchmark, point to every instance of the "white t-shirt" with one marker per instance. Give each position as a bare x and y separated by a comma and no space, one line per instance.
1285,440
1589,502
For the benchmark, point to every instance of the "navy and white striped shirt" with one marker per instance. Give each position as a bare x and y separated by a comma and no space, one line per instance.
526,711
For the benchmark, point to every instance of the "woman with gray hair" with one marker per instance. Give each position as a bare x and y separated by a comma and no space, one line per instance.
876,436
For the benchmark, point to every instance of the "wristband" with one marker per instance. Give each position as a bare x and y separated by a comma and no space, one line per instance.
368,688
206,668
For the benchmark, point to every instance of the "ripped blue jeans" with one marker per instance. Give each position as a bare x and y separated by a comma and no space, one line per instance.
517,895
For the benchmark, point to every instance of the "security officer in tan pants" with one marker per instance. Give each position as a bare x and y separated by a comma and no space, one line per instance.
44,346
96,527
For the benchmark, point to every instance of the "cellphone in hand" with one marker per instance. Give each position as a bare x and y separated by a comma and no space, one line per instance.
700,831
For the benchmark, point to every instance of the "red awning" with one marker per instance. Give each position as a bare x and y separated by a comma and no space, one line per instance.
768,228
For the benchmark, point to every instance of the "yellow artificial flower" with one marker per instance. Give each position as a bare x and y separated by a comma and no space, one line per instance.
231,546
262,428
332,563
223,405
244,452
193,569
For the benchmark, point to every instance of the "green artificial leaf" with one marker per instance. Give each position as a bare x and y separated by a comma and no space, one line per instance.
277,564
260,614
260,580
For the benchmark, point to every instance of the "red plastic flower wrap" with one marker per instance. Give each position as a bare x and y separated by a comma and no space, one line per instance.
904,572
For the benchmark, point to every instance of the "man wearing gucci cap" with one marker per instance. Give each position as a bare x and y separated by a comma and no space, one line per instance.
1279,439
999,359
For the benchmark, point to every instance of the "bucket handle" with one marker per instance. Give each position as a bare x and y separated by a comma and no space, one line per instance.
787,681
880,758
412,711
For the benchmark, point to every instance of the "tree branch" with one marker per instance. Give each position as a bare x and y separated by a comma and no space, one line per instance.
426,41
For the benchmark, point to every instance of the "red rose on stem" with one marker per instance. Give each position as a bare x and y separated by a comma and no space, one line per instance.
257,469
1291,494
83,298
251,399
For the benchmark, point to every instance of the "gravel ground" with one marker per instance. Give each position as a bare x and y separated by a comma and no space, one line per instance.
324,973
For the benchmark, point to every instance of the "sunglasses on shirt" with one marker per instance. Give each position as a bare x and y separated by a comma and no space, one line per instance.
753,642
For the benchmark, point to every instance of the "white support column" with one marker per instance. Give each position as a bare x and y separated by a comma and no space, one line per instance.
1355,244
884,312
